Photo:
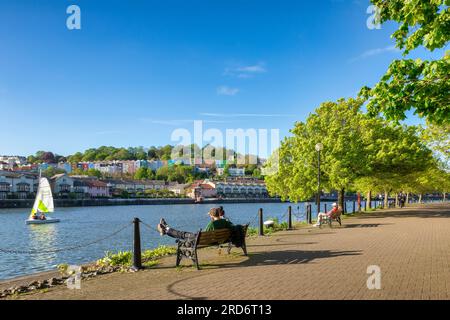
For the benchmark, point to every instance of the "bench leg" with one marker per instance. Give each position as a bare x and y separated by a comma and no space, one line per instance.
195,259
244,247
179,256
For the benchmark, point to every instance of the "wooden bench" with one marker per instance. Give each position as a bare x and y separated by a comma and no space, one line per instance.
329,221
203,239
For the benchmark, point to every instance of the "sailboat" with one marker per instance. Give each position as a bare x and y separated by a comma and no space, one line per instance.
42,205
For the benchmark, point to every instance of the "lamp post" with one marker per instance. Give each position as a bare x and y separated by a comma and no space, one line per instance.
319,147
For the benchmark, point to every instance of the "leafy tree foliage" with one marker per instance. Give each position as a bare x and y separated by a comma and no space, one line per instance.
414,84
339,126
360,153
437,138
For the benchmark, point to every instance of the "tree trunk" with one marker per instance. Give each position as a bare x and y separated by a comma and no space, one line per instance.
369,200
396,200
341,198
420,198
386,200
444,197
407,199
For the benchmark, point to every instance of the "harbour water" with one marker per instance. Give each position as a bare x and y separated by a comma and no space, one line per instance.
50,244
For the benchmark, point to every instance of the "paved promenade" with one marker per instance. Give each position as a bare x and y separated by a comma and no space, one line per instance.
410,245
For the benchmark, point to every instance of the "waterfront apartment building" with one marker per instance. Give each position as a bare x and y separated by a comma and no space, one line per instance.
90,188
228,189
15,185
241,189
116,186
62,185
178,188
201,189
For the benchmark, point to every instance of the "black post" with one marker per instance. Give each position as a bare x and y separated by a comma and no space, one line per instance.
325,207
309,214
137,261
345,207
290,218
261,222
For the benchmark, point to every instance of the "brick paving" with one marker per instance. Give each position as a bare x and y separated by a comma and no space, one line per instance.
410,245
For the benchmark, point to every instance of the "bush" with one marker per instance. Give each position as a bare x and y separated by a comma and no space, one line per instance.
124,258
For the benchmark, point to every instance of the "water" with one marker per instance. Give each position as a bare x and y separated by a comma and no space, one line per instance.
86,224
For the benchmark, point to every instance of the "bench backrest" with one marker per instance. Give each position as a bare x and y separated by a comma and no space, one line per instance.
212,237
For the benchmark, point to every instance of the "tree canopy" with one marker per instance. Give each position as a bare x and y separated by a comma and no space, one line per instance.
360,153
423,86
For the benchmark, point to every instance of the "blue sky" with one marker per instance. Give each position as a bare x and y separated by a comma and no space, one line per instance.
137,70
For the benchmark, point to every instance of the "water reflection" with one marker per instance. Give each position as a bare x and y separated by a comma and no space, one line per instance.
41,239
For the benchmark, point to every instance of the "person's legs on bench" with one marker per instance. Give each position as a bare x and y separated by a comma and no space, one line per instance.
164,229
180,234
320,217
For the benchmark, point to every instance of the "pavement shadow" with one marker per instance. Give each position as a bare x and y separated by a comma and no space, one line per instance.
273,258
364,225
433,212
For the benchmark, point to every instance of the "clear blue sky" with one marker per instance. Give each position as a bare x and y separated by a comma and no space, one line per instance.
137,70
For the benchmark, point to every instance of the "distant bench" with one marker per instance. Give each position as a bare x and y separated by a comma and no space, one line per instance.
329,220
214,238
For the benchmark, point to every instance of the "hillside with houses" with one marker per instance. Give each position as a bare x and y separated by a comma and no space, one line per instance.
145,178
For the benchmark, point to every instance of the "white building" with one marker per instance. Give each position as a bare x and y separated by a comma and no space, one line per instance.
241,189
61,184
178,189
17,185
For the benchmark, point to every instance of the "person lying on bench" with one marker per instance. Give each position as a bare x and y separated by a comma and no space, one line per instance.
216,223
332,214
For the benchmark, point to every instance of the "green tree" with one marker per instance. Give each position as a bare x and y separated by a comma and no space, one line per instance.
94,173
162,173
143,174
414,84
339,126
437,137
51,171
393,152
77,157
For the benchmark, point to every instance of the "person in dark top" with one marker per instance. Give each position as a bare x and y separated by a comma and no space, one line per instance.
216,223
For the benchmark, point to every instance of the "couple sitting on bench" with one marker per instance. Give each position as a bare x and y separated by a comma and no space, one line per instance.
218,232
333,214
217,222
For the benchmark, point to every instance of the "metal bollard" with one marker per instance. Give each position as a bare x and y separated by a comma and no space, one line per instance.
261,222
137,261
290,218
309,214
